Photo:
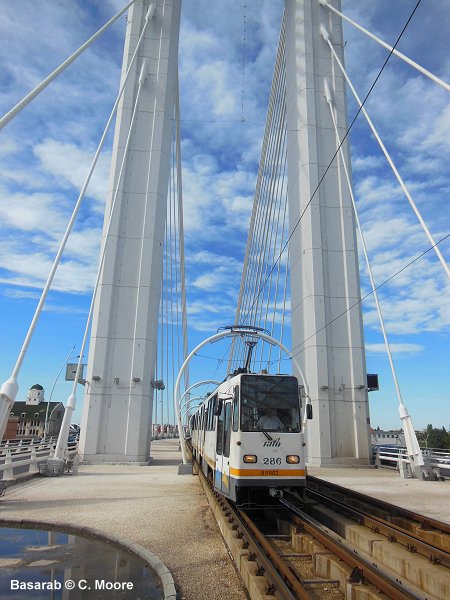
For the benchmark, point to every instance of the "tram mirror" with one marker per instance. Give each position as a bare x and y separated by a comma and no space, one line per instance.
218,406
309,411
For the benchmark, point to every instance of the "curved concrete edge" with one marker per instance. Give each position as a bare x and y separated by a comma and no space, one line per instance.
156,564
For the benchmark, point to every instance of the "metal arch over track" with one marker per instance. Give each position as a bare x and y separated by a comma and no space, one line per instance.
198,384
234,331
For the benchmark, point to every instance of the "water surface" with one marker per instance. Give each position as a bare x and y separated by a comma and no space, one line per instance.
52,565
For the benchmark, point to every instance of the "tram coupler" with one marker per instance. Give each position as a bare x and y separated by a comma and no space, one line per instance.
275,493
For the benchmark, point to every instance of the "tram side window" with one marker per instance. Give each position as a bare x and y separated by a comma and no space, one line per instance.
236,409
210,414
219,443
213,407
205,419
227,430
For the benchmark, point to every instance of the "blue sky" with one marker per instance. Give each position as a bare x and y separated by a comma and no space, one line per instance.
45,154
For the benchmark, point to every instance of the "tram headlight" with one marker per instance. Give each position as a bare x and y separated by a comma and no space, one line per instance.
292,459
249,458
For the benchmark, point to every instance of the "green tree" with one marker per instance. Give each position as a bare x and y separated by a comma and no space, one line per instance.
437,438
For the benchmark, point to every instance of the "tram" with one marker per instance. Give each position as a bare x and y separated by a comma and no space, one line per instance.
247,436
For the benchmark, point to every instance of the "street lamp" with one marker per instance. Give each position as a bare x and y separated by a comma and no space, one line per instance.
51,391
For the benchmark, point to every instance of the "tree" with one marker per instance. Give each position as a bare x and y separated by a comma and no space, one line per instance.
437,438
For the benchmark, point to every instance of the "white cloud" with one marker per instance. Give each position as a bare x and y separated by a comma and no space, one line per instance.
21,294
30,212
69,164
367,163
46,151
395,348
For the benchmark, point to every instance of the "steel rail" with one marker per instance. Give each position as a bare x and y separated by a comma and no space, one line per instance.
275,559
391,530
393,510
272,564
256,553
387,584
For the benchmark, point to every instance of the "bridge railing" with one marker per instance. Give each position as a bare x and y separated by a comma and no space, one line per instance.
26,442
18,460
389,457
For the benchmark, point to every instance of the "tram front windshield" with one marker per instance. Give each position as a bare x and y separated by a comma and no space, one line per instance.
269,403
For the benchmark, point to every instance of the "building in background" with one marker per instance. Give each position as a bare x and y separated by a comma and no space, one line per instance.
388,438
27,418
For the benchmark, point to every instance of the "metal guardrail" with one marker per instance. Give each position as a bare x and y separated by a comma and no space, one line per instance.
26,442
389,457
22,460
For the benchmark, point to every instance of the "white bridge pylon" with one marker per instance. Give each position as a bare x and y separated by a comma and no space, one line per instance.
233,333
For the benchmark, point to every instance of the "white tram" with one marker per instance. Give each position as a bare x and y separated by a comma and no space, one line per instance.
247,435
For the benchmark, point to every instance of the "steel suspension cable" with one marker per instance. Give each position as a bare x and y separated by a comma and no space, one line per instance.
284,309
363,243
271,217
162,347
268,225
11,385
272,185
405,58
181,233
283,201
39,88
387,155
262,197
267,189
257,206
277,176
251,248
291,354
343,140
71,402
171,287
177,260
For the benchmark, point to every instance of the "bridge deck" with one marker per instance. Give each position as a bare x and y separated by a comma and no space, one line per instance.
429,498
152,506
169,515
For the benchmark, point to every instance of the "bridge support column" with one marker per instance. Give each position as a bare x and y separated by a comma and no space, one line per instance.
323,252
116,423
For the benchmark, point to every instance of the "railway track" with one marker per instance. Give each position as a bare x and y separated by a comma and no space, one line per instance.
287,550
421,534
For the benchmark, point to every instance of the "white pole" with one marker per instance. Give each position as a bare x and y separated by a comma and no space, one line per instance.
72,400
412,444
405,58
9,388
326,37
38,89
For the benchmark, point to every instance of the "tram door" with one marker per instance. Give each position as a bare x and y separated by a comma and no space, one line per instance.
222,474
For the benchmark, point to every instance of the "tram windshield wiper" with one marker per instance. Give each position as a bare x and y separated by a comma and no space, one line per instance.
268,436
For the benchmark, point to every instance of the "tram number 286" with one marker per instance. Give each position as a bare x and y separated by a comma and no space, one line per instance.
272,461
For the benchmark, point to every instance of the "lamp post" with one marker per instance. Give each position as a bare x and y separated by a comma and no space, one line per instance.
51,391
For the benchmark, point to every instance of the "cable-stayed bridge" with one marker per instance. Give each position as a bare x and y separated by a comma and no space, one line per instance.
300,278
